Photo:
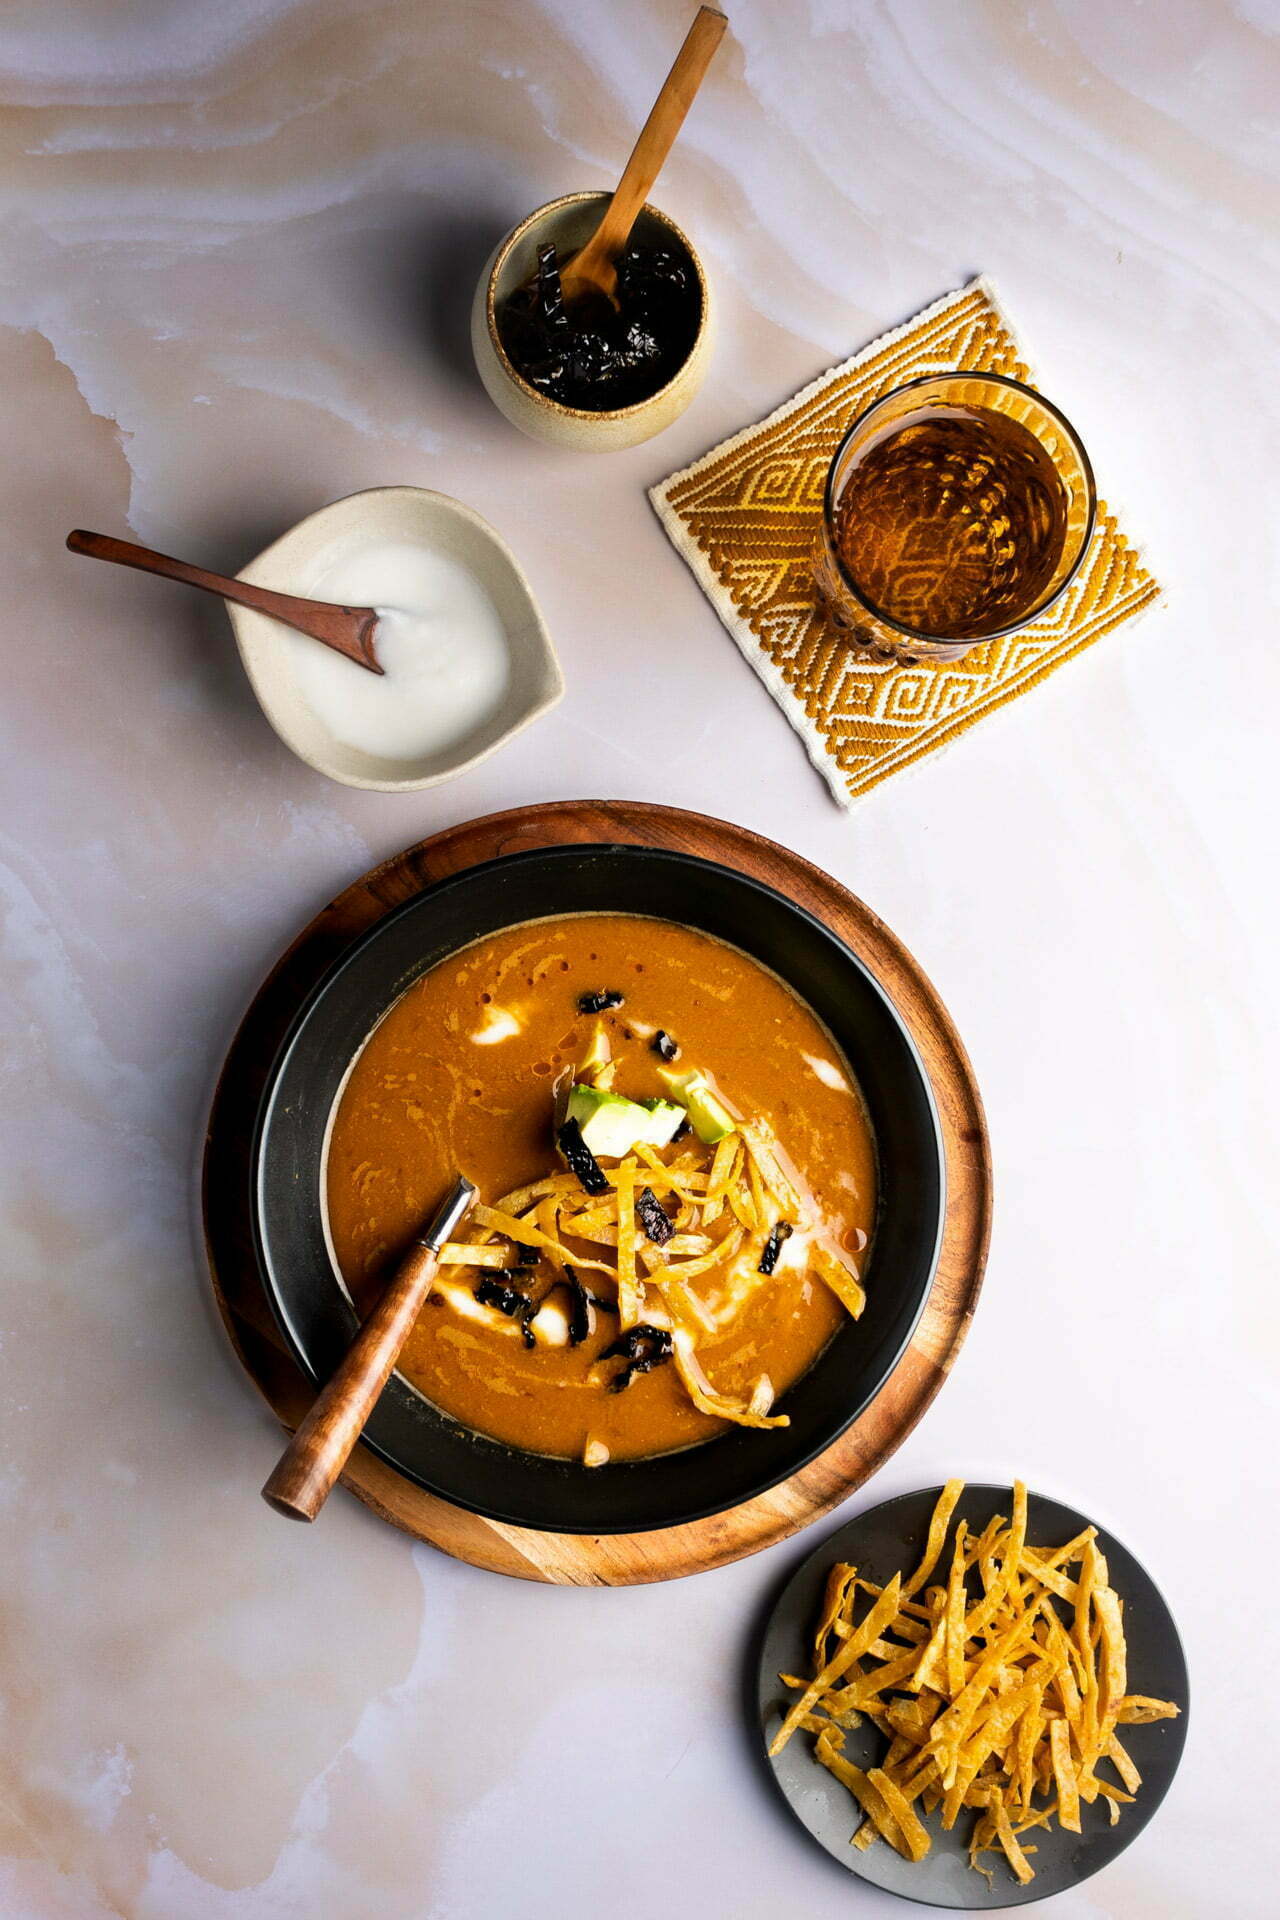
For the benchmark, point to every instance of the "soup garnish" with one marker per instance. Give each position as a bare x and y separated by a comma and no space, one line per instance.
735,1211
619,1190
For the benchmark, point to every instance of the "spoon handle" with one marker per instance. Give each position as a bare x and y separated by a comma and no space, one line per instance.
349,629
305,1473
657,135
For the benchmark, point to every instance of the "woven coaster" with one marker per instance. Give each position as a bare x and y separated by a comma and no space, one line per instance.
744,517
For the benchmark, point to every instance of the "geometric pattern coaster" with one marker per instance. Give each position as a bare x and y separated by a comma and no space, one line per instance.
744,517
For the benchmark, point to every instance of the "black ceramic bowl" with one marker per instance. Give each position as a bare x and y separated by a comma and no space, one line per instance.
316,1316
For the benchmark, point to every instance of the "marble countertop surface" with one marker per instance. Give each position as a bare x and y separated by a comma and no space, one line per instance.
240,244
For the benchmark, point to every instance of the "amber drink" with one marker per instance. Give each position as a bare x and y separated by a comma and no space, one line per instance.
958,508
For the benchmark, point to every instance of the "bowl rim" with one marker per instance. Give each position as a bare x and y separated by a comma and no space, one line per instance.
694,1510
247,643
932,380
587,414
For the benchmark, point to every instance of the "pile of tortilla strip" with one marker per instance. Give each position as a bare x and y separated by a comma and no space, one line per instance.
990,1695
681,1245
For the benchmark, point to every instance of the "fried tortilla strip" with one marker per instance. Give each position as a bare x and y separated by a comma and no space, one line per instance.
1030,1728
722,1167
703,1262
838,1594
931,1671
1048,1575
868,1797
1123,1765
630,1295
1009,1550
1136,1710
686,1307
980,1547
685,1243
1064,1774
1073,1551
865,1691
913,1718
1008,1840
911,1609
704,1396
937,1534
954,1615
1112,1681
991,1737
779,1183
915,1840
759,1205
522,1197
839,1277
1082,1640
876,1619
547,1215
524,1233
739,1198
457,1253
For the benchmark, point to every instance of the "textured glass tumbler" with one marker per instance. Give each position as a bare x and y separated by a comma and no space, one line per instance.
935,401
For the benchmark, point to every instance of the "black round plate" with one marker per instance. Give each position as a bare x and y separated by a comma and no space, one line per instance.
317,1319
882,1541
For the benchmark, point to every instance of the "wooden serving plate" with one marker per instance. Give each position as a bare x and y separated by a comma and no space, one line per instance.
612,1559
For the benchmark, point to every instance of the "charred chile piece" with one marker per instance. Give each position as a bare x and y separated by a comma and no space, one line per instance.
638,1340
664,1046
579,1308
493,1291
605,1306
773,1246
602,1002
643,1348
653,1217
582,1162
527,1312
526,1257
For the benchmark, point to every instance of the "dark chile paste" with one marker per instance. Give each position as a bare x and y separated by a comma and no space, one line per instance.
589,356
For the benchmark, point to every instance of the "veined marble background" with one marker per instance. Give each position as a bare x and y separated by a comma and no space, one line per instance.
240,242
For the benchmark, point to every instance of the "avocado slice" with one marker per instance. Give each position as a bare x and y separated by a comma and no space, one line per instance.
665,1122
611,1125
709,1117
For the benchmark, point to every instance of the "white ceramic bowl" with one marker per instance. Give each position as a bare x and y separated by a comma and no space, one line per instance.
297,560
570,222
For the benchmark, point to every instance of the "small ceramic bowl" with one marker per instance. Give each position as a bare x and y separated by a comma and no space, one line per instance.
420,518
570,222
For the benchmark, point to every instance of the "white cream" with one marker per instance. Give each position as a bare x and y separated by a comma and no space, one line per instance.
496,1025
439,639
829,1074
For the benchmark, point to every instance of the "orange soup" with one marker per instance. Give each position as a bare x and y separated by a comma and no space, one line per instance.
616,1293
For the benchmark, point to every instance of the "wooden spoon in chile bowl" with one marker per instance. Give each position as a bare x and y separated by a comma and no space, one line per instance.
591,270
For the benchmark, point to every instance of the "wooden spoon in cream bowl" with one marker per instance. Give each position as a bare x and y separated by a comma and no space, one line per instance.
348,630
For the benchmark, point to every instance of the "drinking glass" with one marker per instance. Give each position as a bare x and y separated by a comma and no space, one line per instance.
957,400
